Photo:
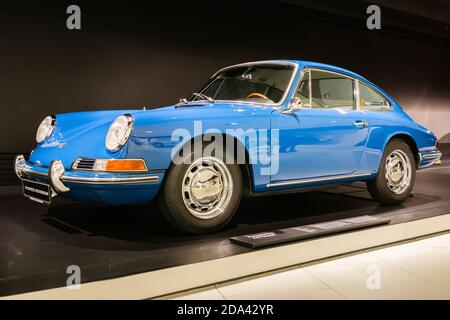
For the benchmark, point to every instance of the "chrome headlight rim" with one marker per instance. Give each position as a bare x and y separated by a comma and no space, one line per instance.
50,123
118,145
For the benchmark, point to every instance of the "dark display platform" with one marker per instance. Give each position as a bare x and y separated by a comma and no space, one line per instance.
38,244
303,232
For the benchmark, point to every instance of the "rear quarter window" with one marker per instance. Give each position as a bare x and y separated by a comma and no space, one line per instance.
372,100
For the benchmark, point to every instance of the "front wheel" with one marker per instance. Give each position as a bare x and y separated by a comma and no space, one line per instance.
396,174
201,197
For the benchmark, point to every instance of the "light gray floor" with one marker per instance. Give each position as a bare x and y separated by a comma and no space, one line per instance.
414,270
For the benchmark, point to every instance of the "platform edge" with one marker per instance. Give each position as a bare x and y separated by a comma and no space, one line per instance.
155,283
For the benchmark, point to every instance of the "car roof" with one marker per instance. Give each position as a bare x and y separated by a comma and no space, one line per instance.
329,67
303,63
310,64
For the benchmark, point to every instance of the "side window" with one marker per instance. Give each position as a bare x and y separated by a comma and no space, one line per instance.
331,91
371,100
303,90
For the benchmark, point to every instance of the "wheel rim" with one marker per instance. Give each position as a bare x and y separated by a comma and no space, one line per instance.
398,171
207,188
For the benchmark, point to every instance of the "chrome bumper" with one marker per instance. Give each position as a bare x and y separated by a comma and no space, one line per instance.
25,170
111,180
429,157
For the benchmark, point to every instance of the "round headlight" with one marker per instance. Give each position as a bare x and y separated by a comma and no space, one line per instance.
45,129
119,132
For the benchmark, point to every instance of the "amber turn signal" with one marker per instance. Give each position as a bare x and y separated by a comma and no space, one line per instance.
125,165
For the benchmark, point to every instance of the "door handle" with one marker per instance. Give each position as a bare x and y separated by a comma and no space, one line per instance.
361,124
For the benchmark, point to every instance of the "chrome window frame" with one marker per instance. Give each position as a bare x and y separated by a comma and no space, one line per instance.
356,93
286,93
300,78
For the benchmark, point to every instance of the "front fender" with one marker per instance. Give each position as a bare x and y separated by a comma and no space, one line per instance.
156,139
80,134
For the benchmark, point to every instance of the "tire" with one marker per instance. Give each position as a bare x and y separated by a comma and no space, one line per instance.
182,192
394,187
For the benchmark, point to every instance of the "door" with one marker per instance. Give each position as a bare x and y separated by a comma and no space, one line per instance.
327,136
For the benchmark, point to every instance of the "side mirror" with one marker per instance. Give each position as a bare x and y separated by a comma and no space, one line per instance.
294,104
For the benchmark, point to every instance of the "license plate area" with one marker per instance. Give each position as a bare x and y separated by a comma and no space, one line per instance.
37,191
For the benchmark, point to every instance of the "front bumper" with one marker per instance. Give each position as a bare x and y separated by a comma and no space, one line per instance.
428,157
92,186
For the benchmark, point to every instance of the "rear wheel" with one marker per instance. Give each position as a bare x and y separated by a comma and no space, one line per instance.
396,174
201,197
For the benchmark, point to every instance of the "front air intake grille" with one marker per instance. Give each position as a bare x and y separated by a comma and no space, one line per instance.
83,164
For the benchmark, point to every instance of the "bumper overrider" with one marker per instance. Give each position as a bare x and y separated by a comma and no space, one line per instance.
90,185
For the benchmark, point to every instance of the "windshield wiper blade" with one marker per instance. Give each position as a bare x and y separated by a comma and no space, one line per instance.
203,96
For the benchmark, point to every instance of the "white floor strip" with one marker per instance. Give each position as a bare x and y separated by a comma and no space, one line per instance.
171,280
418,269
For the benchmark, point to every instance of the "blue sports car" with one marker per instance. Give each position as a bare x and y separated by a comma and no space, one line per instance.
252,129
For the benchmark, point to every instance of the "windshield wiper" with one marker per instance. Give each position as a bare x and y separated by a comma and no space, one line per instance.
203,96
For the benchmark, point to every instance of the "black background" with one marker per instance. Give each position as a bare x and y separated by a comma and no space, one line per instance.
132,54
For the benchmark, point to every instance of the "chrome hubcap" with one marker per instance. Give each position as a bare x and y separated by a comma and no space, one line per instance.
398,171
207,188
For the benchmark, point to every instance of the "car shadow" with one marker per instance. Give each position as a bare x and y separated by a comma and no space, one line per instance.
144,223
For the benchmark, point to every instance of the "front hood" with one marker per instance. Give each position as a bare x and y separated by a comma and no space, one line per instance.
82,134
78,134
218,111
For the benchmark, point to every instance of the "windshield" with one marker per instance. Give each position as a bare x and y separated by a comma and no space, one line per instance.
262,83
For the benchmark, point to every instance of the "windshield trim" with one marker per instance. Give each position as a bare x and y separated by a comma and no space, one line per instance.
286,93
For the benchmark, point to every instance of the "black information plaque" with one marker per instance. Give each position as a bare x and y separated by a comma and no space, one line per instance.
264,239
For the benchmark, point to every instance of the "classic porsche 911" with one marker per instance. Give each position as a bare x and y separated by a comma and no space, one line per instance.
293,126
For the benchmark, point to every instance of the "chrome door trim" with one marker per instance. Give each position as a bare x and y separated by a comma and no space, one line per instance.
312,180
